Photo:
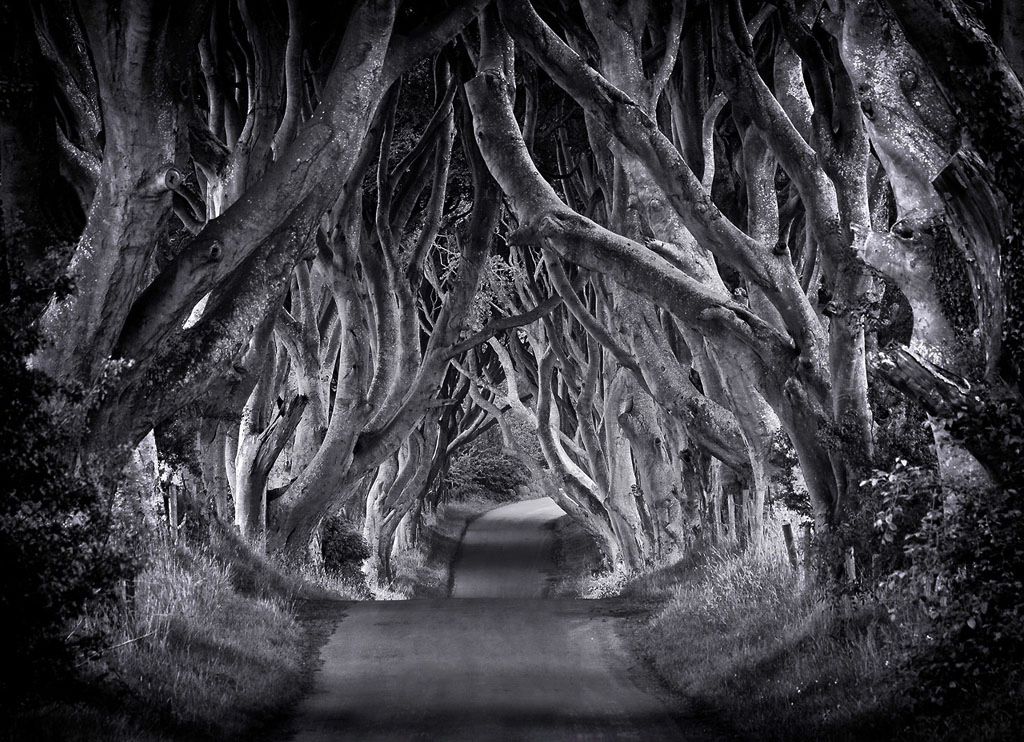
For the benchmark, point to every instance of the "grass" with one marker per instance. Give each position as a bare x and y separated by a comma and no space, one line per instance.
745,639
213,649
743,636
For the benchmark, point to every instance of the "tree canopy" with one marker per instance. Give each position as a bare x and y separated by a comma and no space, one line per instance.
684,257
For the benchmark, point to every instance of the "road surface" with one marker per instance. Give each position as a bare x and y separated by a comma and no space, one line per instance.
507,552
498,662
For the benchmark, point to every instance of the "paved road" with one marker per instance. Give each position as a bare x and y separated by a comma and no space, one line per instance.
500,663
506,552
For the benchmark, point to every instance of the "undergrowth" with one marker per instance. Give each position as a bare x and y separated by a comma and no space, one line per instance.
208,648
750,639
577,563
742,634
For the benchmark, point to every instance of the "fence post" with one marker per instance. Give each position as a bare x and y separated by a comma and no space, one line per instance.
851,565
807,546
174,492
730,506
787,533
745,524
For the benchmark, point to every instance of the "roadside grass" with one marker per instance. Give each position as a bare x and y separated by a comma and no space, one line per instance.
211,650
743,636
425,571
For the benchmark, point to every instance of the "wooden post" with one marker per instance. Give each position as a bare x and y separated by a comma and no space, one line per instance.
167,507
807,546
851,565
730,507
745,524
787,533
173,496
715,491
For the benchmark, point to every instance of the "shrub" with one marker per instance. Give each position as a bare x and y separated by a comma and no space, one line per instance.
990,424
343,548
901,482
484,466
965,569
787,485
57,526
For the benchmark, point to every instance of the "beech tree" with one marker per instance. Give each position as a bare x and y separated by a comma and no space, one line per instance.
227,110
661,236
755,343
974,56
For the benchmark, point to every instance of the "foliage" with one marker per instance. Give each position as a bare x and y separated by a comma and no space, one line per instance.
342,546
748,640
901,480
194,658
482,466
953,283
902,429
579,564
742,635
903,498
893,320
991,425
786,486
176,441
964,567
945,563
58,545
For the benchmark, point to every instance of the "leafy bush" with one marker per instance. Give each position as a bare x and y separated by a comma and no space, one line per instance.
787,485
482,466
56,523
965,569
343,548
901,481
991,426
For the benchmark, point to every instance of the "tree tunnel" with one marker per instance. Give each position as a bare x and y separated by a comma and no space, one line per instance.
669,257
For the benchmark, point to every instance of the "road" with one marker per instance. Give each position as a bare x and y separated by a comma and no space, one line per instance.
507,552
497,662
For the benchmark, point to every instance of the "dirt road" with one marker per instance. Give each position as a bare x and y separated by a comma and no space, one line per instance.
496,663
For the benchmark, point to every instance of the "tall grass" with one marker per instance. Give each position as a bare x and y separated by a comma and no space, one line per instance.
745,636
214,659
751,640
207,648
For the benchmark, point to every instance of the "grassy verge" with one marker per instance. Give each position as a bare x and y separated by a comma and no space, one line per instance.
743,638
219,644
425,571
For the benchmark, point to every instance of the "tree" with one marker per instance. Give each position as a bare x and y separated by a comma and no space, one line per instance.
661,233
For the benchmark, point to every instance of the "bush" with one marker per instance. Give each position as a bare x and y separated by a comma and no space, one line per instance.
343,548
746,639
990,424
482,466
57,546
901,482
787,486
965,570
